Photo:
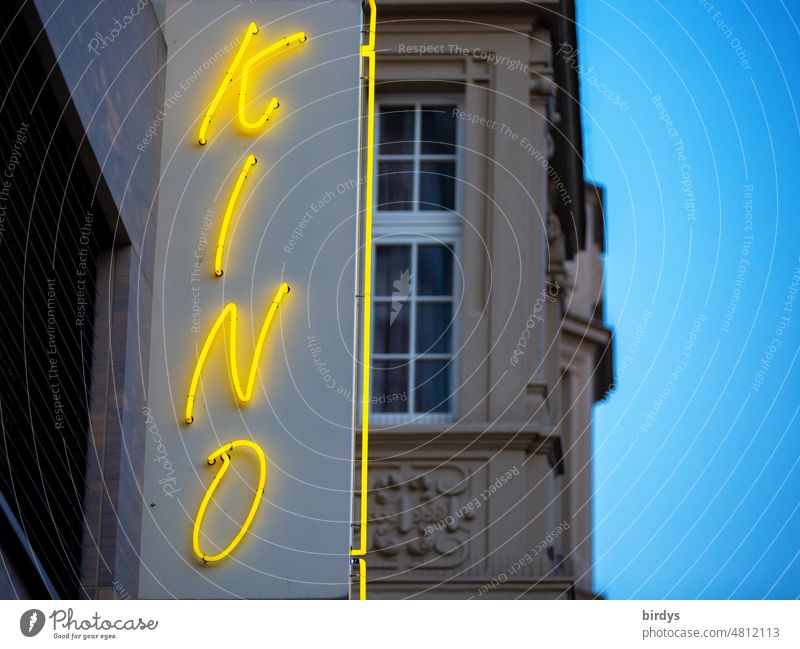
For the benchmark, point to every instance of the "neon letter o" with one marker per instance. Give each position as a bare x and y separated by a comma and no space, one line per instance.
223,452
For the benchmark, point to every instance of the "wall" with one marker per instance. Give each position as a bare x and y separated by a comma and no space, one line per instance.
305,180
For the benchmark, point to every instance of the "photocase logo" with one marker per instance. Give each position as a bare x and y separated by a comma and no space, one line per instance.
31,622
402,289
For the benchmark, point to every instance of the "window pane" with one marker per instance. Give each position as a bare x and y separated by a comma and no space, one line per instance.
393,265
433,328
391,327
397,130
437,186
432,389
438,130
390,386
434,270
395,185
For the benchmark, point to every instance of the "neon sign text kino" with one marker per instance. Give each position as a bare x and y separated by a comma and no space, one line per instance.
263,454
230,312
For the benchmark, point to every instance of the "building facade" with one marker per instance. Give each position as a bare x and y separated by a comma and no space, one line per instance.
489,346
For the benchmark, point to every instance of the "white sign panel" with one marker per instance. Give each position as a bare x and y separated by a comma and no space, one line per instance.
254,303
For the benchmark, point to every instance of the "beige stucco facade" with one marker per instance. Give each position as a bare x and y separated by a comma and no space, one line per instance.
497,501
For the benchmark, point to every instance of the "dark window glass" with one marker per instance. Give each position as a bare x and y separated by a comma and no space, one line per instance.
434,270
433,328
395,185
438,130
432,389
397,130
389,385
437,186
393,265
391,327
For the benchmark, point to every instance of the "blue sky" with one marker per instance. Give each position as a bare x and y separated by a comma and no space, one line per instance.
692,125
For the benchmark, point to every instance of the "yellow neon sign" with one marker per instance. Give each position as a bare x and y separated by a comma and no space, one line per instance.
244,394
232,311
251,160
362,578
289,41
252,30
368,52
223,453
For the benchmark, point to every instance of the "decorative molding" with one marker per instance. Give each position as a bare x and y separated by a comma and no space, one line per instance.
462,438
413,514
542,84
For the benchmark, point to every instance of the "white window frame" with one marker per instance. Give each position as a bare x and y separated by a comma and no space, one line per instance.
414,228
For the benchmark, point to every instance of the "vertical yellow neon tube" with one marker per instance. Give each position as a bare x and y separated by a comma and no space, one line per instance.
223,453
294,39
231,311
362,579
202,137
251,160
368,52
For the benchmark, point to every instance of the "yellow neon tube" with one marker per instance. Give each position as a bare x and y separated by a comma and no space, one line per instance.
362,579
368,52
232,311
289,41
223,452
252,30
251,160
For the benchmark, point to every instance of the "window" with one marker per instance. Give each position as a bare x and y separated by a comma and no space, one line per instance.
416,158
416,244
